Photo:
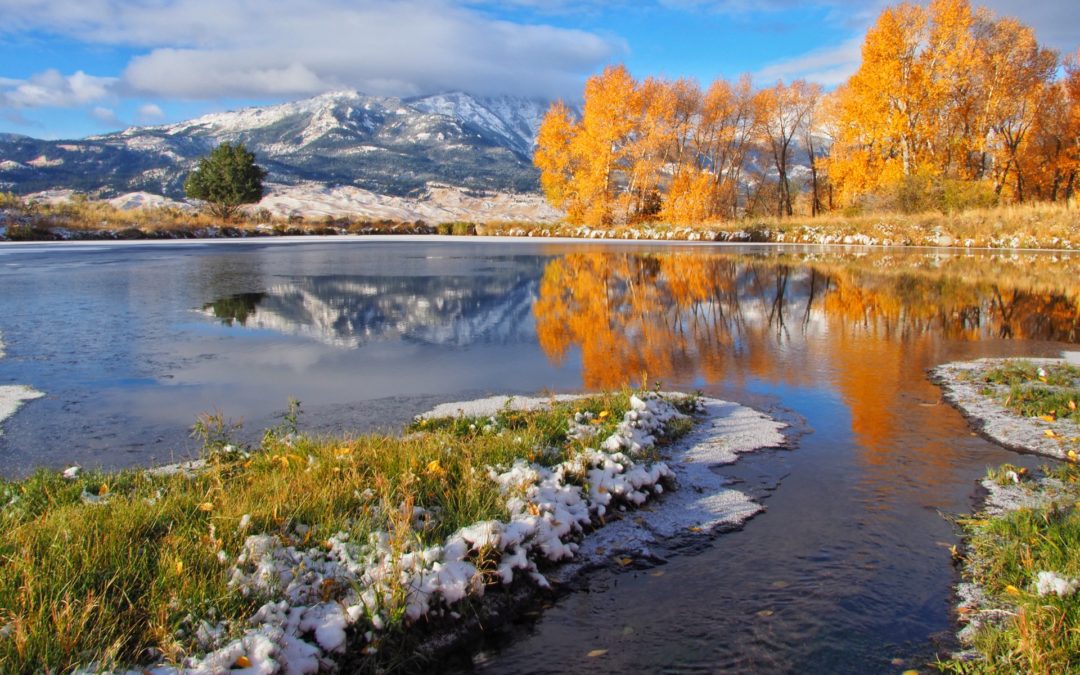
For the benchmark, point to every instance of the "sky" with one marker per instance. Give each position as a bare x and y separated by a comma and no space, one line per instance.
72,68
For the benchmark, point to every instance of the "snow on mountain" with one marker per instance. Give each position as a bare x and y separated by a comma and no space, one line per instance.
514,120
384,145
351,311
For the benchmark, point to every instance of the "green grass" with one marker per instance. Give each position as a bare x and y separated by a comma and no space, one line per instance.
1006,553
1044,402
1049,391
119,581
1018,372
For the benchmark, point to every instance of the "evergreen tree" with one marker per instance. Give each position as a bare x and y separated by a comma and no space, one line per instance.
226,179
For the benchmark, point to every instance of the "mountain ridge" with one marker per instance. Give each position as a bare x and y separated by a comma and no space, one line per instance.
388,145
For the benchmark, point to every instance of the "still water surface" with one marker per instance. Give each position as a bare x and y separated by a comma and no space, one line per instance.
846,571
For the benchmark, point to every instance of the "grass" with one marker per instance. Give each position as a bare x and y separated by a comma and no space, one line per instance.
1016,226
1020,372
86,218
1032,225
119,568
1047,391
1050,404
1005,553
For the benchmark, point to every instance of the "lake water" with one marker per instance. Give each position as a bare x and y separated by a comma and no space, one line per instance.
848,568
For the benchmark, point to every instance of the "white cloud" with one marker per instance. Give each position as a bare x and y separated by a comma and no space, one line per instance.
207,49
105,116
149,112
52,89
828,67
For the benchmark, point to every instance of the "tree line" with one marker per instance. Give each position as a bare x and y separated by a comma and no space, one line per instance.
951,107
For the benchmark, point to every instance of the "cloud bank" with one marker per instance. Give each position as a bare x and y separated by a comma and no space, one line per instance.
205,49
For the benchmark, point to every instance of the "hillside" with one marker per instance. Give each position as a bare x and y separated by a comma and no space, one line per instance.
388,146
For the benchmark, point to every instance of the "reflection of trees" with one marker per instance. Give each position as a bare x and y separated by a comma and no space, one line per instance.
686,315
235,308
870,333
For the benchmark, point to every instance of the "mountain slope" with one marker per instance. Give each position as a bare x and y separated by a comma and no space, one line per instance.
386,145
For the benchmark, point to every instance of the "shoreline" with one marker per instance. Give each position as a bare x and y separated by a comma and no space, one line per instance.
328,603
68,244
1020,526
962,388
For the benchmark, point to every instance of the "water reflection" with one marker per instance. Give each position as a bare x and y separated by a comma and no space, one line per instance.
684,316
868,327
350,311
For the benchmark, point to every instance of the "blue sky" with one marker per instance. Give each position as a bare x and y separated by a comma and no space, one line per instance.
70,68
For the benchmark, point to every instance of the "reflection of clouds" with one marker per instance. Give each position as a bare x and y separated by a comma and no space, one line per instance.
352,311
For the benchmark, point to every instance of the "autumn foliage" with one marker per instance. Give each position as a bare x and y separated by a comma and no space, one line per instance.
951,107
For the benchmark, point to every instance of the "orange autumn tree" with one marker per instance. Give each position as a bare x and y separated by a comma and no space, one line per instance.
946,93
556,159
655,149
950,108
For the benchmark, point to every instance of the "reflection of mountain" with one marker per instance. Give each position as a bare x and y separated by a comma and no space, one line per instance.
351,311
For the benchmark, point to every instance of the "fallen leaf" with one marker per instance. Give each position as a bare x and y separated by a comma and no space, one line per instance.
243,662
1050,433
206,507
657,573
1071,455
624,561
596,652
1012,590
103,490
765,613
1072,405
1048,418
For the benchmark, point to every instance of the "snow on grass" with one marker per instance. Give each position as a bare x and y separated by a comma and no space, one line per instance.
971,386
321,598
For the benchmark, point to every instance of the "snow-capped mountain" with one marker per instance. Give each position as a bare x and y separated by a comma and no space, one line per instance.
386,145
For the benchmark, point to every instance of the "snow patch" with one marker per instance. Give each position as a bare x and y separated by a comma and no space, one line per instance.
436,205
146,200
963,387
12,396
1053,583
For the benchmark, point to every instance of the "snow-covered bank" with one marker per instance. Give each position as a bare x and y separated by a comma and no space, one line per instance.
703,502
963,385
1019,544
337,599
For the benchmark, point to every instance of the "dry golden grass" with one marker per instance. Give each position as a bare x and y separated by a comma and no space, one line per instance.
1019,226
1037,225
85,218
